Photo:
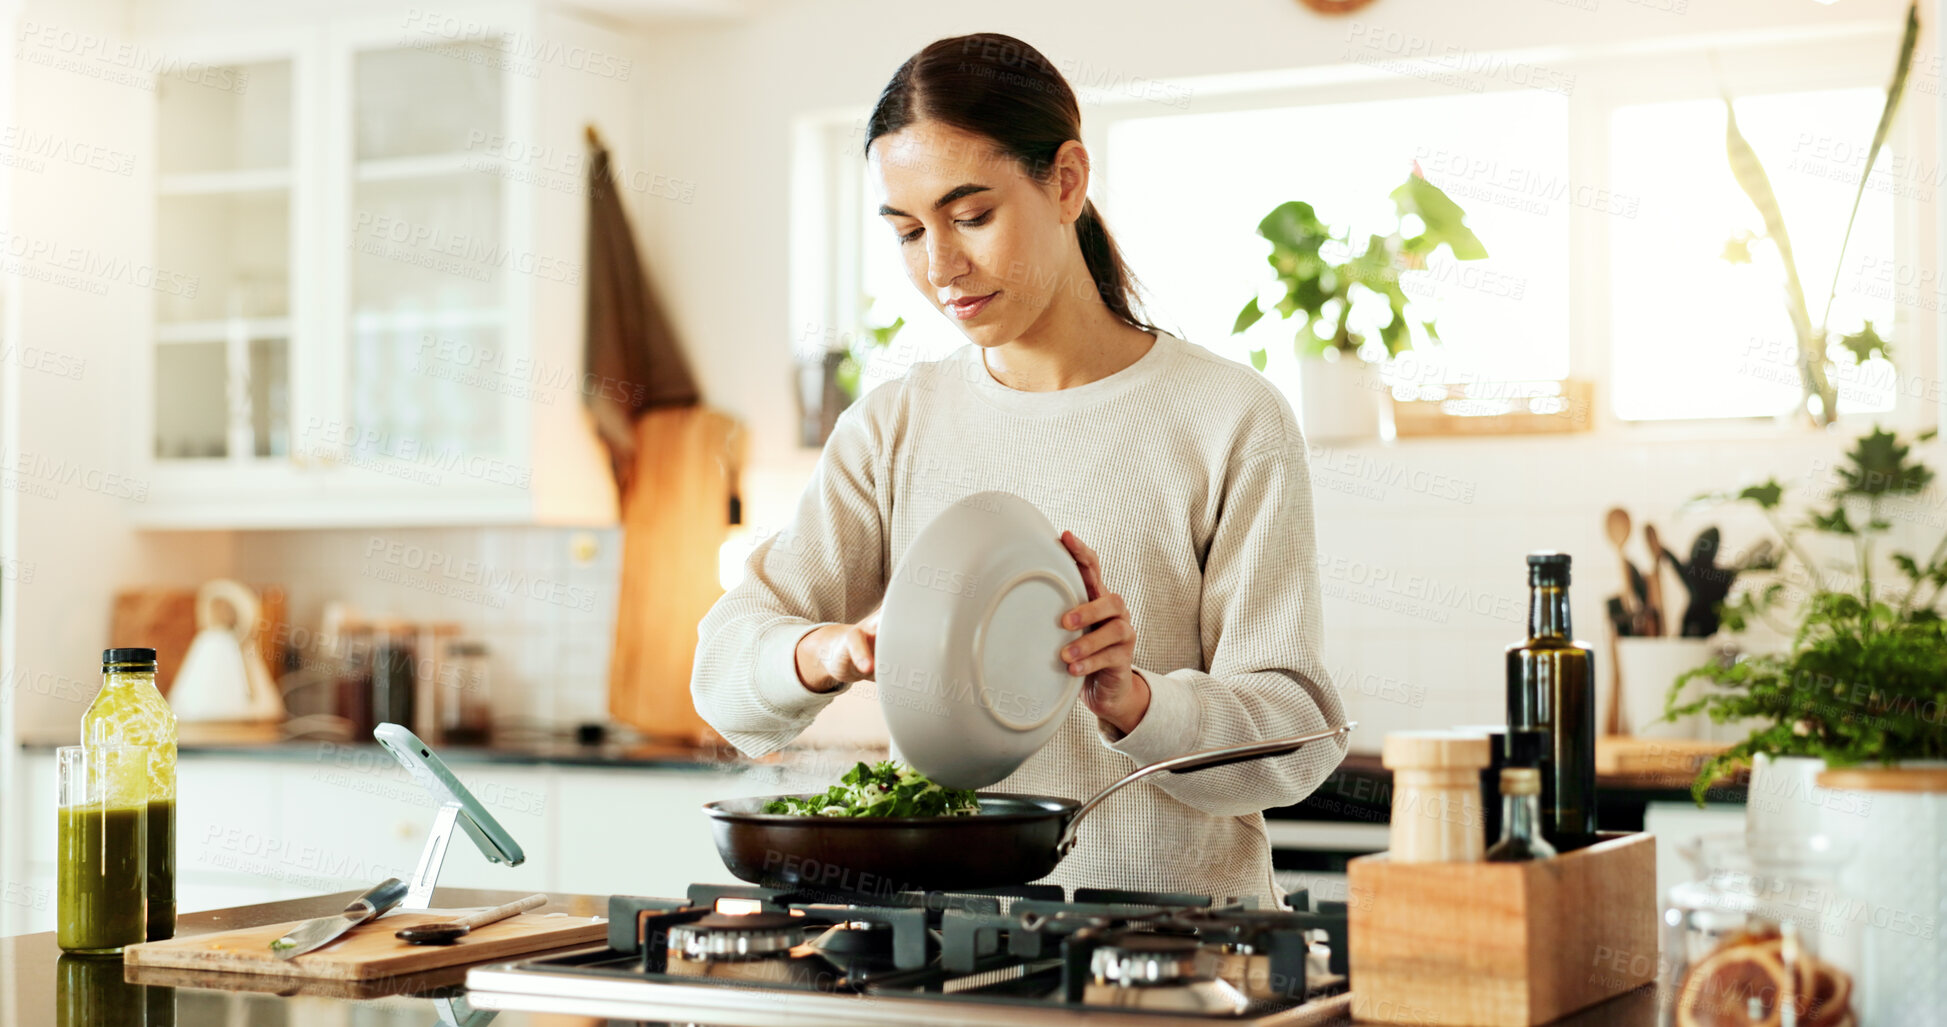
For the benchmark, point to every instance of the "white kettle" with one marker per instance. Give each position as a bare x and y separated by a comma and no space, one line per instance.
222,677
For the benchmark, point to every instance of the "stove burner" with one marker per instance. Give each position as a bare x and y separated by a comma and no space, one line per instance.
855,941
734,938
1143,959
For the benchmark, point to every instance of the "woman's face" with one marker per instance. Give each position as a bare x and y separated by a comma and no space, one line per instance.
985,243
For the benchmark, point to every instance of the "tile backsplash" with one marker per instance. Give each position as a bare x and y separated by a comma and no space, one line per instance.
1420,546
542,599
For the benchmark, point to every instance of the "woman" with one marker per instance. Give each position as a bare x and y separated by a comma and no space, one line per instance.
1179,477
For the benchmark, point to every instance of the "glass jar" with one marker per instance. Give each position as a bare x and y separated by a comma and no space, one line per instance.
464,699
1763,935
103,845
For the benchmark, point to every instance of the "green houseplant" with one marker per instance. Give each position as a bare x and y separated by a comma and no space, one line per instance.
1817,344
869,338
1857,706
1325,277
1864,679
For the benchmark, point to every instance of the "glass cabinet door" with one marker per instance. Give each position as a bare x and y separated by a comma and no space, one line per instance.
427,367
223,264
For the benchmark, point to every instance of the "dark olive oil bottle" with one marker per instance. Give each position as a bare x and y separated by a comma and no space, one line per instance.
1551,690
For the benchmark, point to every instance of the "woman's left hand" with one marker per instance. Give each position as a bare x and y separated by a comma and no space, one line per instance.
1112,689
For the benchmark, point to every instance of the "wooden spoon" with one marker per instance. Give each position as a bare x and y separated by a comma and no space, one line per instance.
452,931
1617,525
1655,578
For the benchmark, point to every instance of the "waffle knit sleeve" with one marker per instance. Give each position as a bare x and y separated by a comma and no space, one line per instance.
1261,629
825,567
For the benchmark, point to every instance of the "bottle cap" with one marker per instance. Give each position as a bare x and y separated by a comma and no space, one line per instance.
1520,781
137,658
1548,568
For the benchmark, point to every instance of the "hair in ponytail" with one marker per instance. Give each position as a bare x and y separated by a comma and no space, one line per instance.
999,87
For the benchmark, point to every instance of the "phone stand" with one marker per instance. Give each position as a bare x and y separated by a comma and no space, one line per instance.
458,808
420,893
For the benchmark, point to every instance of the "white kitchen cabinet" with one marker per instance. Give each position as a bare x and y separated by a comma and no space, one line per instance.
370,239
642,834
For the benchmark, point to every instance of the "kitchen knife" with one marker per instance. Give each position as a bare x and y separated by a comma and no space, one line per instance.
315,934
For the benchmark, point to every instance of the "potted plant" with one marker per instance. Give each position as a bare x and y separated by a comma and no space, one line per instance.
1331,286
1816,344
1857,701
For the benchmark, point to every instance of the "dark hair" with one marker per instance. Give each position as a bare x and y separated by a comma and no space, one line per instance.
999,87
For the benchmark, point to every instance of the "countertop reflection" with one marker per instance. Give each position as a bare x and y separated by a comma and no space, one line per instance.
40,985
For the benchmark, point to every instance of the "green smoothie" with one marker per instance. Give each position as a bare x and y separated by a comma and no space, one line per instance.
162,870
103,867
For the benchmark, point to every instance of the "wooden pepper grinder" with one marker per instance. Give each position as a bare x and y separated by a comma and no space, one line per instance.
1436,795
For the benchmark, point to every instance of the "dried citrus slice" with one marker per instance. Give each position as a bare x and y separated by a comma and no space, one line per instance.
1739,985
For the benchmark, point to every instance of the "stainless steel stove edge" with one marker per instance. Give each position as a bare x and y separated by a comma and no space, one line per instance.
512,986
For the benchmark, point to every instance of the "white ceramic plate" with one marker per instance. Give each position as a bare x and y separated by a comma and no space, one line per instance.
970,676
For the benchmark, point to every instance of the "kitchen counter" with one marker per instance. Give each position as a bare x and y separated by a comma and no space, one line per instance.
1360,790
40,986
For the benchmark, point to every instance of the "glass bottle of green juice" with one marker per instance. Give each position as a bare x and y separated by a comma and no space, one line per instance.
131,711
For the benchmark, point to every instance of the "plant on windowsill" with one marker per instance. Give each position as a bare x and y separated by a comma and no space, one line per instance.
1350,303
1819,351
871,338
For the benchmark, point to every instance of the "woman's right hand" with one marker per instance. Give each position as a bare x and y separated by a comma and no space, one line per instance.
837,654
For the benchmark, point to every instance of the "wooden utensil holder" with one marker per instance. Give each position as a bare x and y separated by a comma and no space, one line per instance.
1502,944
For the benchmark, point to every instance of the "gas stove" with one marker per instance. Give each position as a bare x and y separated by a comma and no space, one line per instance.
755,957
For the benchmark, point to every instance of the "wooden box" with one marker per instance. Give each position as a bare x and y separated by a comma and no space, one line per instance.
1502,944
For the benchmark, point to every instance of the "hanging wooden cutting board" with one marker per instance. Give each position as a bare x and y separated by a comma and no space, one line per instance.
674,519
369,950
164,619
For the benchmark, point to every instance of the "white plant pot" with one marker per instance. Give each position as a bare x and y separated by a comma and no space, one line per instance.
1784,797
1338,400
1899,874
1646,667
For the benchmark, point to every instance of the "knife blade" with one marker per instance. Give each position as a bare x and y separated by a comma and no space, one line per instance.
315,934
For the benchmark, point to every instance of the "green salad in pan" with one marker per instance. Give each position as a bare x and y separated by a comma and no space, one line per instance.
883,789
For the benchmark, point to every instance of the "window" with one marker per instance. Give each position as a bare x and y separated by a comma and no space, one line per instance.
1187,191
1605,214
1695,336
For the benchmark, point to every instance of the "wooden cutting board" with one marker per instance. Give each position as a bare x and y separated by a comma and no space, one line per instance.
673,520
164,619
369,951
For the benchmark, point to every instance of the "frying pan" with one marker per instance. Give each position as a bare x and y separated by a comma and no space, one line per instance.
1013,840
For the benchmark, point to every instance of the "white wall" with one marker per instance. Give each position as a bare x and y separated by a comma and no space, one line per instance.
79,304
77,252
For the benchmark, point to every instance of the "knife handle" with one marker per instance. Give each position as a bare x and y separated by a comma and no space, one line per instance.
388,894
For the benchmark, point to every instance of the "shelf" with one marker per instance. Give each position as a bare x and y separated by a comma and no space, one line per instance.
420,320
219,329
436,165
217,183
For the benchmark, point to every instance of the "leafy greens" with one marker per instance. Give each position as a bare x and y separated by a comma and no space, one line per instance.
883,789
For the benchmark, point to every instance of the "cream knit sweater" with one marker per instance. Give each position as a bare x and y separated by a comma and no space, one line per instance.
1186,472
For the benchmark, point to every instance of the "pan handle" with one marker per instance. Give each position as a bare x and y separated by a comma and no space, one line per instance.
1199,761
